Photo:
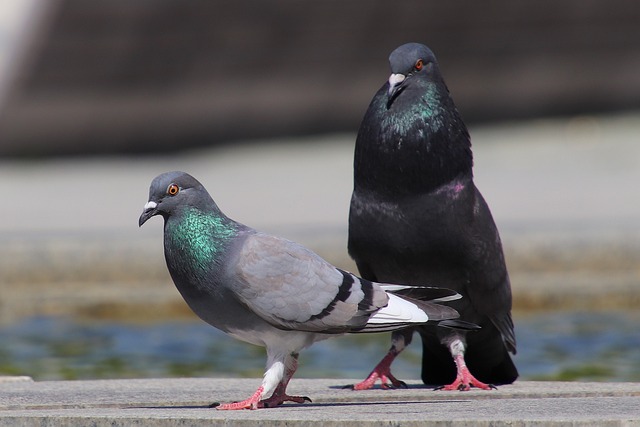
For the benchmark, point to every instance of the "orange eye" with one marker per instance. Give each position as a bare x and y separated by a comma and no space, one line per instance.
173,190
418,65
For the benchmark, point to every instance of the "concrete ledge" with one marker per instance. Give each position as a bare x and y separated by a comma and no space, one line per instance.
179,402
14,379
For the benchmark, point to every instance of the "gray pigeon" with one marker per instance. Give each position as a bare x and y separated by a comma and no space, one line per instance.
272,292
417,217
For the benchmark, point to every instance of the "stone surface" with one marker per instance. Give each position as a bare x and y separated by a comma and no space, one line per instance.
15,379
177,402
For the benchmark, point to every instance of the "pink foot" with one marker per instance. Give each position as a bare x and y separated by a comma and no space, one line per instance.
274,400
278,398
382,372
387,381
250,403
465,380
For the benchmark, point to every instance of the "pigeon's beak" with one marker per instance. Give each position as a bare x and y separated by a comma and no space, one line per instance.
150,209
395,83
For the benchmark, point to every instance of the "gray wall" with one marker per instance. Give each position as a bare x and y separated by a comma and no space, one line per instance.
146,75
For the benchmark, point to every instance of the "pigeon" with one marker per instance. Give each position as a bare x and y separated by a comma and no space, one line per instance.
417,217
271,292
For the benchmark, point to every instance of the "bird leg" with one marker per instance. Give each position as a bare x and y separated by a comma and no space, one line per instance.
278,374
280,395
464,379
382,371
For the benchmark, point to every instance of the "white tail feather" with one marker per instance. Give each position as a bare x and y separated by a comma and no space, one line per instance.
399,310
449,298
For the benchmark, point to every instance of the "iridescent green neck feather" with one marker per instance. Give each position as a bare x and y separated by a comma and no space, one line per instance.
413,144
428,112
199,237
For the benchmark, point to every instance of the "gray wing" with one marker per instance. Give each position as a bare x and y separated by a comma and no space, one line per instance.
293,288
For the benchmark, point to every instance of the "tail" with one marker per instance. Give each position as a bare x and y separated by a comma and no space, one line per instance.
429,295
402,312
422,293
460,325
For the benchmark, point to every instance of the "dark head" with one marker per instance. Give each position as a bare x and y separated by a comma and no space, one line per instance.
412,138
407,62
172,191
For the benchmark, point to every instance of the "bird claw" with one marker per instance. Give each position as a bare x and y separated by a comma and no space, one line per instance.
266,403
465,385
245,404
387,382
401,384
465,379
250,403
395,384
276,400
364,385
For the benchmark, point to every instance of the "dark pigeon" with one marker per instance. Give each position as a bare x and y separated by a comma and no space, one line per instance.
416,217
269,291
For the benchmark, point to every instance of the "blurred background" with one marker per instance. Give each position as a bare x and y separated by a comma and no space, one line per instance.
261,100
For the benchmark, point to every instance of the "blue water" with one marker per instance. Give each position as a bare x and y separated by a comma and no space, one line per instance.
552,346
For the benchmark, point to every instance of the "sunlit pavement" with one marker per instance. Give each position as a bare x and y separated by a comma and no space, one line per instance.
178,402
